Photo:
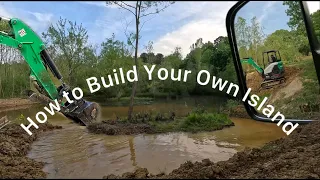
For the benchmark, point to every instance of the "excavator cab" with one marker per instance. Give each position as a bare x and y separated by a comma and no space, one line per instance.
271,56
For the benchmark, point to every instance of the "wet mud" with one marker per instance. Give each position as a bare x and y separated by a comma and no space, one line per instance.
118,128
294,156
14,146
15,103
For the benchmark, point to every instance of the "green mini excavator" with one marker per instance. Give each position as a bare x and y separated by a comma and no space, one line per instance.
22,37
273,74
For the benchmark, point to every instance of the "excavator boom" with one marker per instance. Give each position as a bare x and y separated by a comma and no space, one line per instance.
31,47
254,64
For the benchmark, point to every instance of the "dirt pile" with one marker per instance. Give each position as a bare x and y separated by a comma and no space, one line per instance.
14,146
294,156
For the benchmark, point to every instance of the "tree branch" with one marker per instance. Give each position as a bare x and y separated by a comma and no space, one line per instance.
143,24
128,5
143,15
120,5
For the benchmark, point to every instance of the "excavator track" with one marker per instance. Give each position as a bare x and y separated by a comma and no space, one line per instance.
271,83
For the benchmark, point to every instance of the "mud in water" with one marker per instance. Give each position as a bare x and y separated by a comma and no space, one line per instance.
14,146
113,128
294,156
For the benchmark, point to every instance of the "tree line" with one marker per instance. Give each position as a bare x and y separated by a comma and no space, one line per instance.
67,43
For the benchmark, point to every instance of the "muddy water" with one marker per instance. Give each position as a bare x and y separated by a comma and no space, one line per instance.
72,152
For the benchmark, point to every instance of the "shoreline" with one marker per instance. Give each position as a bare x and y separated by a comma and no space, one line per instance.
280,158
14,147
15,104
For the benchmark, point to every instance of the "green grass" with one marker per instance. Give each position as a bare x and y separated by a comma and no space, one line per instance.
196,121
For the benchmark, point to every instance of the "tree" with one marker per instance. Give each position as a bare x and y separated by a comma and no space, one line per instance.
69,39
296,21
159,58
144,57
242,33
316,22
139,10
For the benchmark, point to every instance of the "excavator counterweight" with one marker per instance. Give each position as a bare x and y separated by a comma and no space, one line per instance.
31,47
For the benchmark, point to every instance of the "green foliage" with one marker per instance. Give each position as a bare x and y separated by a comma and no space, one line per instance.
232,104
20,120
70,40
316,23
205,122
295,14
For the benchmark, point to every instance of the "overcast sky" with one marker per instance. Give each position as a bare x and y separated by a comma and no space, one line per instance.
179,25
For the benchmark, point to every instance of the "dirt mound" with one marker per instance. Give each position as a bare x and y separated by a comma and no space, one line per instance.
14,146
294,156
119,128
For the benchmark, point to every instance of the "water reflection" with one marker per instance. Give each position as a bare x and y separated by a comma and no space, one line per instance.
74,153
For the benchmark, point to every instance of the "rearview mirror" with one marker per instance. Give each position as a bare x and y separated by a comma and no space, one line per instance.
276,55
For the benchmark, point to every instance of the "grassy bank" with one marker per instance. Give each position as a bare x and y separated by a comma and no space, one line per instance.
195,121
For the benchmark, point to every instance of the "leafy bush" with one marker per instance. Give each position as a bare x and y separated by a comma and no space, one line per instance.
205,122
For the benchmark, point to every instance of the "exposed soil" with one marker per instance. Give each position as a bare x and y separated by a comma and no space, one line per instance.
294,156
14,146
15,103
292,88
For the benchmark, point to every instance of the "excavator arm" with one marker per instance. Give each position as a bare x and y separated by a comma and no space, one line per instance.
33,50
251,62
31,47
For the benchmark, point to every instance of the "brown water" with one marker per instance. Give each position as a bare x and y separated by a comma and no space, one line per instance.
72,152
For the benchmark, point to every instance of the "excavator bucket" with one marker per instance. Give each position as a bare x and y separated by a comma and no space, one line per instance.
81,111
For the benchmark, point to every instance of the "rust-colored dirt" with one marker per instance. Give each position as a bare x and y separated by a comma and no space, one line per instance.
294,156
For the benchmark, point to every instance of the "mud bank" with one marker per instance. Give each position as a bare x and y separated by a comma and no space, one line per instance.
118,128
15,103
147,124
14,146
294,156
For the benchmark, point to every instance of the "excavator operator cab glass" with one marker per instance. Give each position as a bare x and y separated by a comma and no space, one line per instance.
290,82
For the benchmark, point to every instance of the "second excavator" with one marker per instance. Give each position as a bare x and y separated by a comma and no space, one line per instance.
273,74
21,37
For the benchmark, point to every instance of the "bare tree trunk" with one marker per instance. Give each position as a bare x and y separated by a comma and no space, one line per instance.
136,63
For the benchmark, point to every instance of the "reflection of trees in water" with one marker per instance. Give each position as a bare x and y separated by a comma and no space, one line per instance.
132,151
